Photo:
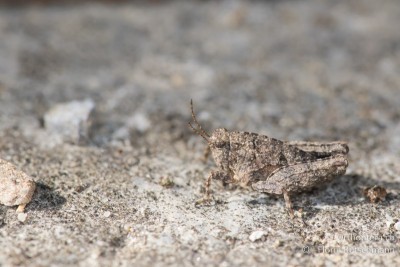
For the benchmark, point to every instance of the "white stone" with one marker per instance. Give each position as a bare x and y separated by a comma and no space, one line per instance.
22,217
256,235
397,226
69,122
140,122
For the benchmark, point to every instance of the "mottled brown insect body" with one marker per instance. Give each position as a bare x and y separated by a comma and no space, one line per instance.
270,165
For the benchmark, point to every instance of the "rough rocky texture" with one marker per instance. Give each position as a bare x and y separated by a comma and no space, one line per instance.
16,188
296,70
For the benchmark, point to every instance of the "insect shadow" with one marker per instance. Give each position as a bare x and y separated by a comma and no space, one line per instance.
349,188
45,198
346,191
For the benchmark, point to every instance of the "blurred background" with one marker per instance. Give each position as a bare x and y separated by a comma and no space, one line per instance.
290,69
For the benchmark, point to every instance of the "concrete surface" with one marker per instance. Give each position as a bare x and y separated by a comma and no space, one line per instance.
296,70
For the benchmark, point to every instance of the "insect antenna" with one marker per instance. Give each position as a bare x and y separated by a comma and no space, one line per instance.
200,131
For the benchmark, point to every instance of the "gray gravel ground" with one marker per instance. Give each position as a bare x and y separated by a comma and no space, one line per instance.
124,196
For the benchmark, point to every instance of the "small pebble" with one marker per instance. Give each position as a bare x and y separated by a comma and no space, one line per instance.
22,217
16,187
389,221
166,182
397,226
256,235
107,214
375,193
277,243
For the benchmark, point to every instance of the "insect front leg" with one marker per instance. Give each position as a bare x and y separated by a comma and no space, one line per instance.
214,175
206,154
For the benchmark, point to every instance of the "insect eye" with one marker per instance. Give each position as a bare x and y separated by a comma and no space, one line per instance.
219,144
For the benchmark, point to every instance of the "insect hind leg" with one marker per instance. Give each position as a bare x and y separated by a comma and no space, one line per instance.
338,147
303,176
